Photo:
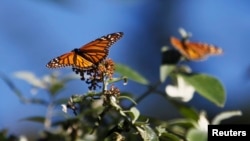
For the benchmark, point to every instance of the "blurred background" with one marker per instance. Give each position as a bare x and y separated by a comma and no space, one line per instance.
34,31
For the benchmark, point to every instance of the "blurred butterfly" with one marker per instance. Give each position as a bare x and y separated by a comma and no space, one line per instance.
194,50
88,56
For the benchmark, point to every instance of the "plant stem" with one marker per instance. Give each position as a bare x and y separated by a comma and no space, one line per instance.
145,94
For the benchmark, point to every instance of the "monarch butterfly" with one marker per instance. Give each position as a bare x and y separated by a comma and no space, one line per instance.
194,50
88,56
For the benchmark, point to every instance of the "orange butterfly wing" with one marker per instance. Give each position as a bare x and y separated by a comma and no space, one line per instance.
98,49
193,50
69,59
88,55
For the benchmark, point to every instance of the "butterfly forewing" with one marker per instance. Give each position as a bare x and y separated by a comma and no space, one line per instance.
98,49
88,55
104,41
193,50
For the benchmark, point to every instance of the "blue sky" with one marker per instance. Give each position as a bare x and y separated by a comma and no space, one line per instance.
33,32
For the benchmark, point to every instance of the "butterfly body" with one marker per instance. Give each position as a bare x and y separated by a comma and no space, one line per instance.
88,56
194,50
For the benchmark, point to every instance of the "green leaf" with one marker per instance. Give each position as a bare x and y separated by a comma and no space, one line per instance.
4,135
196,135
129,98
165,70
186,111
113,80
37,119
147,133
113,102
135,113
12,86
61,101
225,115
182,123
56,87
36,101
165,135
131,74
208,87
20,95
30,78
69,77
169,137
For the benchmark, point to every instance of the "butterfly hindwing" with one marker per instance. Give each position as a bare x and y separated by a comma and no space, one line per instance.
88,55
69,59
